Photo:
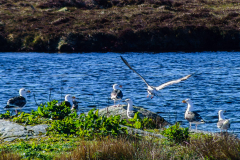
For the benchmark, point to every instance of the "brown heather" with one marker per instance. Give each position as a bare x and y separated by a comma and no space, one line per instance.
9,156
199,147
220,147
119,25
224,146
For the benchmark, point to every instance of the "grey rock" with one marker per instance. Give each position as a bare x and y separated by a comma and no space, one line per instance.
10,131
122,111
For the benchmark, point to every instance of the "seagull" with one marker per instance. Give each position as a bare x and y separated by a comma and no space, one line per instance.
19,101
151,89
222,122
130,109
75,104
192,116
116,94
69,101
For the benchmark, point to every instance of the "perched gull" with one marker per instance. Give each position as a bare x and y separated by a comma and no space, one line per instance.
192,116
130,109
69,101
222,124
75,104
151,89
116,94
19,101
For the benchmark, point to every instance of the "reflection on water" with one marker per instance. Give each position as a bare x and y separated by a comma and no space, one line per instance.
90,76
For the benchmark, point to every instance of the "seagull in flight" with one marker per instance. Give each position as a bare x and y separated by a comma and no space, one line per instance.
153,91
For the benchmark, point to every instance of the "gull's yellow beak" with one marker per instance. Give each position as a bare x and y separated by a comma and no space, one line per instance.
28,91
74,97
184,101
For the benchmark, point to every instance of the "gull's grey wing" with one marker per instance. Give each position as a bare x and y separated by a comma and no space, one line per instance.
193,117
223,124
124,60
172,82
116,94
16,102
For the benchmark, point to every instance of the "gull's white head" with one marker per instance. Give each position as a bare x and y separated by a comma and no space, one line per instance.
69,98
190,105
130,104
187,101
116,86
220,115
23,92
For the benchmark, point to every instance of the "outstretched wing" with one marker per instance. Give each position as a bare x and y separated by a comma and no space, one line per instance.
172,82
124,60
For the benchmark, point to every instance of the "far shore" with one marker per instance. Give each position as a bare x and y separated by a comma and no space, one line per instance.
119,26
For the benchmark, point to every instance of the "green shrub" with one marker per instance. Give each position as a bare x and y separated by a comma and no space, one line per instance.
52,110
176,133
5,115
139,123
88,126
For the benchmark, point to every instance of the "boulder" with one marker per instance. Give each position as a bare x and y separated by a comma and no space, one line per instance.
122,111
10,131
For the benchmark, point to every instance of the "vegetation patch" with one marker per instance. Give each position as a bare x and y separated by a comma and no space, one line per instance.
90,136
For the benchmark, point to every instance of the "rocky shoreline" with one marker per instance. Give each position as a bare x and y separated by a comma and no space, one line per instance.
162,39
10,131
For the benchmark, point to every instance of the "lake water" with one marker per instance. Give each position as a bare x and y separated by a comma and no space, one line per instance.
90,76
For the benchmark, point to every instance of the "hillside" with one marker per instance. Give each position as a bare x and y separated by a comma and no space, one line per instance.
119,25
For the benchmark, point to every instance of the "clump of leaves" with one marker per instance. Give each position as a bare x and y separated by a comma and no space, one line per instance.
6,115
139,123
27,119
88,126
176,133
52,110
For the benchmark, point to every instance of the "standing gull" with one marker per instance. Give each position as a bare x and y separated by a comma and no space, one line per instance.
116,94
69,101
75,104
222,124
19,101
130,109
151,89
192,116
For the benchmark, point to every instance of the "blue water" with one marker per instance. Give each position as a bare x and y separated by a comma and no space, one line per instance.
90,76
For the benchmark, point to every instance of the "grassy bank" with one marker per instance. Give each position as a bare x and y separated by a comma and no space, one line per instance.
90,136
119,25
197,147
